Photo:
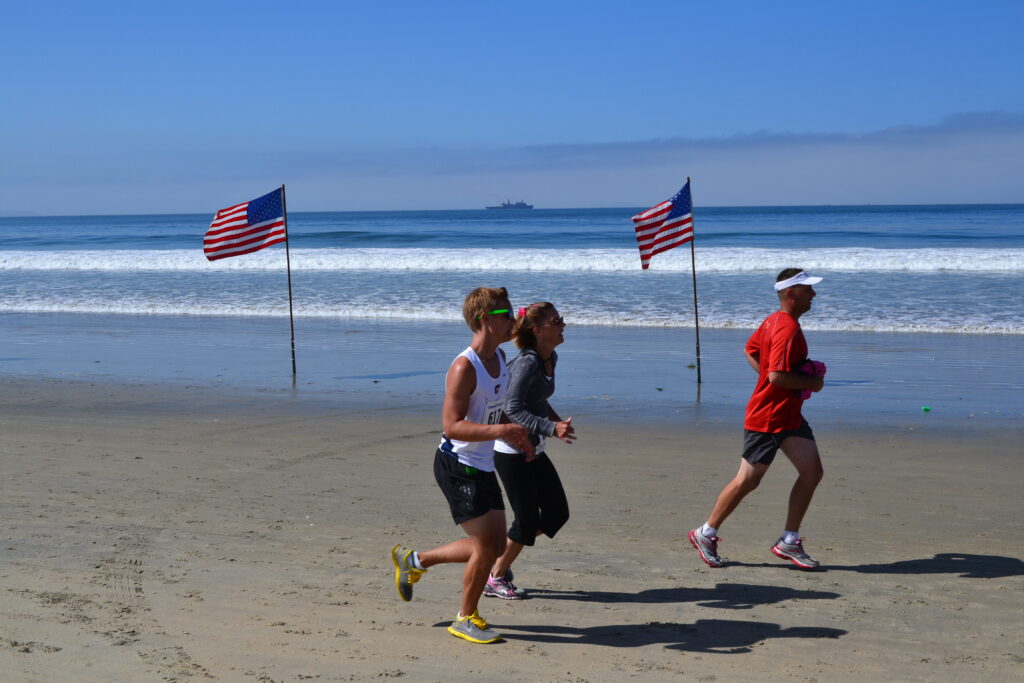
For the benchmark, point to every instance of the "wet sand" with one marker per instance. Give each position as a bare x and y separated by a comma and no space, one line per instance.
618,372
154,531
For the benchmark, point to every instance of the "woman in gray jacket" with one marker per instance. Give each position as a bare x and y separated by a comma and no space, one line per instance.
534,490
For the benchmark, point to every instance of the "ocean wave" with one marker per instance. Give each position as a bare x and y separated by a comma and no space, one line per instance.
429,314
709,259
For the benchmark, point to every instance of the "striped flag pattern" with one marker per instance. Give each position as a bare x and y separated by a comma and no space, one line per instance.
664,226
245,228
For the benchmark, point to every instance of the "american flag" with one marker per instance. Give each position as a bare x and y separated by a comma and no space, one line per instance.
664,226
246,227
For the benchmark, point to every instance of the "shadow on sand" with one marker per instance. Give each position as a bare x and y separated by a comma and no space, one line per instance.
967,566
722,636
722,596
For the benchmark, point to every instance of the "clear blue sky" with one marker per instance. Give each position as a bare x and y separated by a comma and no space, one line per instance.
127,107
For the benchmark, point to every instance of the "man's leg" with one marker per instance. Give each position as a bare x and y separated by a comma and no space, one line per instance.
705,540
456,551
746,480
803,453
485,543
487,538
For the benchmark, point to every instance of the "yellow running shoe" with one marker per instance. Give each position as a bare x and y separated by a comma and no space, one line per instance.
405,573
474,629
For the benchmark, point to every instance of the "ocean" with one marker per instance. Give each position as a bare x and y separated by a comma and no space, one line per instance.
921,307
934,269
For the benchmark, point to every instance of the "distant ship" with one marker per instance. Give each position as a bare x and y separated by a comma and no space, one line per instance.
513,205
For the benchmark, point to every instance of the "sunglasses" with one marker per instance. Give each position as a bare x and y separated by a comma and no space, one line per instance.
498,311
555,321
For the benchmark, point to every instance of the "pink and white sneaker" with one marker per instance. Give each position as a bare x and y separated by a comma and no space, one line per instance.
502,587
707,546
794,552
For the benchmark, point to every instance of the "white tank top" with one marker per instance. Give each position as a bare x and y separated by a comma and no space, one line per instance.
484,408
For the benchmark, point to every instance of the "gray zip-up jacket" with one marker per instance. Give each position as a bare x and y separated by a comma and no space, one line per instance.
526,401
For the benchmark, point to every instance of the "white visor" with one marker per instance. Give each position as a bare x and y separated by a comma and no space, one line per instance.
800,278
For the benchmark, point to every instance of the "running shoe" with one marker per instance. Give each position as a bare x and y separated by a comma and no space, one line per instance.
794,552
474,629
405,573
707,546
502,587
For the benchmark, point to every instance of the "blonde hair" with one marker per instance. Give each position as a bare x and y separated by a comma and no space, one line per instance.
528,318
481,300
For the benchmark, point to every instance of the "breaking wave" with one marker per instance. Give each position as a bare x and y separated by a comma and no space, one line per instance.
709,259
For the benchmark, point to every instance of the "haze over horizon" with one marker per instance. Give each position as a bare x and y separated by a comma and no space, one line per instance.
126,109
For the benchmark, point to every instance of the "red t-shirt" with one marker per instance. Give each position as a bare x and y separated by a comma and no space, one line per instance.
780,345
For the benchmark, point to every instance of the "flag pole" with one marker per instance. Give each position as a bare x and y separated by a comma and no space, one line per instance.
693,271
288,261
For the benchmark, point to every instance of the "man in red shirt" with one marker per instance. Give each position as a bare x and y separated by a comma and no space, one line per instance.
776,351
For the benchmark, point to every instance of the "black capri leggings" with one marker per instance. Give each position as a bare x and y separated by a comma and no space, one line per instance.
535,495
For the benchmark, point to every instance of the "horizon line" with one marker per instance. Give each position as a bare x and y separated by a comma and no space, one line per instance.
521,211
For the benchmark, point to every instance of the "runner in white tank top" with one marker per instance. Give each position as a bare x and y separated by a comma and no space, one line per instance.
464,464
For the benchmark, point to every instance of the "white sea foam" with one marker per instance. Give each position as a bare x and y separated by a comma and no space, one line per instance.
709,259
438,314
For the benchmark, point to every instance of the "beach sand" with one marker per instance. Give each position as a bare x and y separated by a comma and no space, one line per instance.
155,531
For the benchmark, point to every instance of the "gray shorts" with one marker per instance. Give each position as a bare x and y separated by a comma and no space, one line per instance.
761,447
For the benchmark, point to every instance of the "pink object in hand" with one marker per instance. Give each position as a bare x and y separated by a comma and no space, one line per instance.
814,368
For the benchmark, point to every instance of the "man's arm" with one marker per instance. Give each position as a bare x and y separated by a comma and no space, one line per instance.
795,380
781,345
754,360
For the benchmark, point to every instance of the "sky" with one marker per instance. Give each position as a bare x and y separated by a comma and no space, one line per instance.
129,107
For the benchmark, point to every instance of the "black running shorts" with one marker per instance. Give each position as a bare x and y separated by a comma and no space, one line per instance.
761,447
470,492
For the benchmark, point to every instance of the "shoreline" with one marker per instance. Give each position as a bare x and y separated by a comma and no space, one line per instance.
106,396
619,374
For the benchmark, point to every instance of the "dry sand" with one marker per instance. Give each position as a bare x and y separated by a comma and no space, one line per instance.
157,533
